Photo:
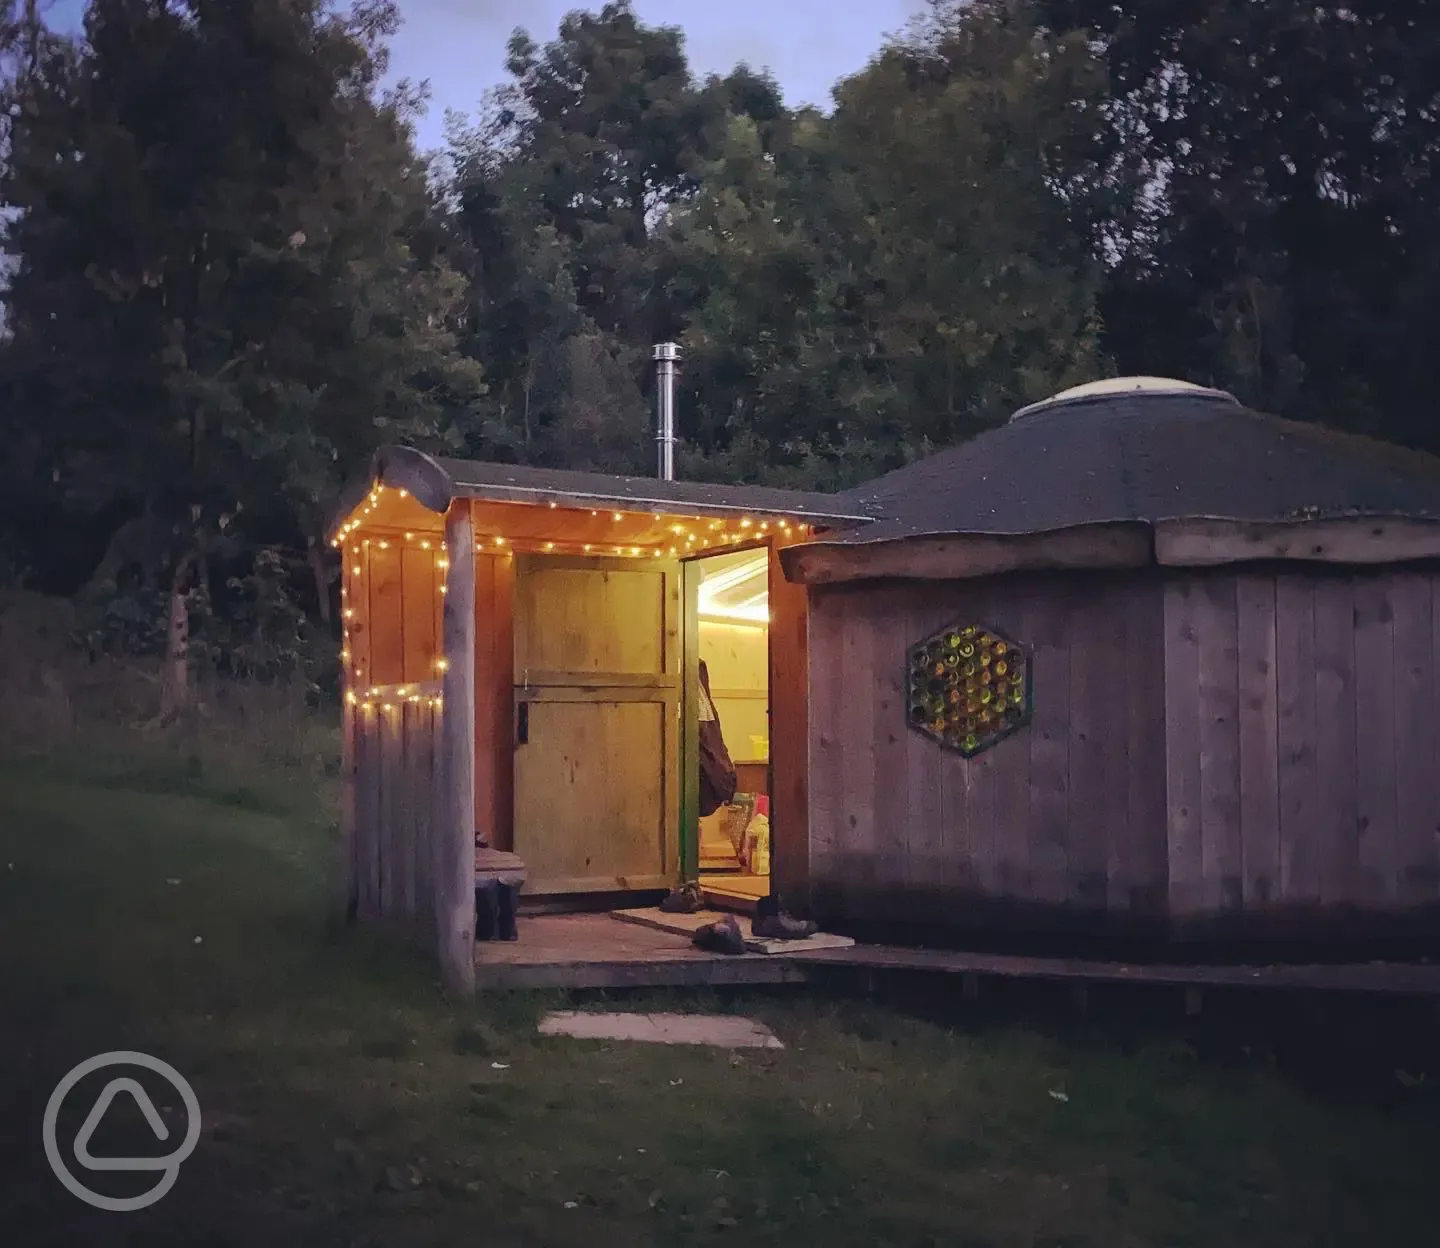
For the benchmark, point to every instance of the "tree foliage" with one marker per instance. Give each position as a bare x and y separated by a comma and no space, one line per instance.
231,277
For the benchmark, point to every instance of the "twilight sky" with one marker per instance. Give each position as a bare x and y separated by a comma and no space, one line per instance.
459,45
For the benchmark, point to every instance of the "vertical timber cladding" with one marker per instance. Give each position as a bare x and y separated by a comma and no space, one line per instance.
1065,813
789,786
1303,756
597,693
391,722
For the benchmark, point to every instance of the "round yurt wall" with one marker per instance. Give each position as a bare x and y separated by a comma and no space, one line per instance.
1229,626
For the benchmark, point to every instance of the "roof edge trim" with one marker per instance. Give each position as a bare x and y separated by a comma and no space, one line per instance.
1113,544
1209,541
542,494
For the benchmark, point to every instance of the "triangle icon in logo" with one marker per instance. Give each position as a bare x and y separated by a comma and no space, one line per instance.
92,1120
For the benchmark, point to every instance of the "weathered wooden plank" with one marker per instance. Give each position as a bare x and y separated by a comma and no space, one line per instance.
855,730
1010,768
367,812
1145,849
789,738
981,876
387,645
1049,735
1295,738
827,772
888,624
407,827
926,845
1375,742
1216,630
1337,819
419,588
420,785
1417,742
1184,793
455,842
394,852
1095,640
1259,761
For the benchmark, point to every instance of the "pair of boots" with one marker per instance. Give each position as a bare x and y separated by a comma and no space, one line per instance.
495,906
725,935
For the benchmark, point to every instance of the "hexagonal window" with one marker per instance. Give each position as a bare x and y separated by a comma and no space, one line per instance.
969,687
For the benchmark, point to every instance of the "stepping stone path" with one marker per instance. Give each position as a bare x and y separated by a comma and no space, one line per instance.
725,1031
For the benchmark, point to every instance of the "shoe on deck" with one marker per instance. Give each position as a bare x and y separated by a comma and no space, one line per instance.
783,927
722,937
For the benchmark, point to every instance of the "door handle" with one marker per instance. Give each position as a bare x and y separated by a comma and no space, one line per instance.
522,724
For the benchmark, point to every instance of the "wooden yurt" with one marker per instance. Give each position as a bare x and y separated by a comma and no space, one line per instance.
1139,660
521,653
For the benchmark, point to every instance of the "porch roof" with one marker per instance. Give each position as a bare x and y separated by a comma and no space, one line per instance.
435,482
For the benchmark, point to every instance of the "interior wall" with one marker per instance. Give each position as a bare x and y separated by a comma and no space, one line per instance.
736,650
737,657
1064,817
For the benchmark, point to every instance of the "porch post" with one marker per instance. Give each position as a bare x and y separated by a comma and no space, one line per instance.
455,835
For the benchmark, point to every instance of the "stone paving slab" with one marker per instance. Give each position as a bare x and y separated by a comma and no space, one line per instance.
725,1031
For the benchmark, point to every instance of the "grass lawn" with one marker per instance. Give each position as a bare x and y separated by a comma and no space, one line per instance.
346,1102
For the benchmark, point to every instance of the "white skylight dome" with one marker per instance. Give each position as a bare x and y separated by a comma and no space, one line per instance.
1120,386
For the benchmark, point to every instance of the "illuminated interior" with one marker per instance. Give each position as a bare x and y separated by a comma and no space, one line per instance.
734,625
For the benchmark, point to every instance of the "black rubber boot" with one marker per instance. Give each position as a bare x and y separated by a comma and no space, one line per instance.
486,908
505,913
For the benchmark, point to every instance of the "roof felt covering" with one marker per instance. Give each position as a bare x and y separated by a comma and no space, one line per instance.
524,484
1144,457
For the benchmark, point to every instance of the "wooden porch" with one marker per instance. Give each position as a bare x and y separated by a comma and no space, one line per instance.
611,950
602,951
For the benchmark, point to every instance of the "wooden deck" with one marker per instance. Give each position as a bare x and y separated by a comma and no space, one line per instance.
598,951
1374,978
588,951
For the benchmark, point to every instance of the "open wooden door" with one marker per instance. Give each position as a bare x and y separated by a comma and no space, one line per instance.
597,701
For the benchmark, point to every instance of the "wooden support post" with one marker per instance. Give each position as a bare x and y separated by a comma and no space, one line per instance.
1193,1001
348,878
454,877
970,986
1080,996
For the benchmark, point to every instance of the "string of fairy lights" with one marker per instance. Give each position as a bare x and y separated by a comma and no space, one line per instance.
386,698
687,540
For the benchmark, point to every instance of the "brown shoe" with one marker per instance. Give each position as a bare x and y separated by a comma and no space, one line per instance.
722,937
783,927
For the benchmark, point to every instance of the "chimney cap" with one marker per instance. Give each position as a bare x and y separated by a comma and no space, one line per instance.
666,351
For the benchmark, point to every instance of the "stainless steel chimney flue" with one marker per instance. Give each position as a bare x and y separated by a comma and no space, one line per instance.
667,358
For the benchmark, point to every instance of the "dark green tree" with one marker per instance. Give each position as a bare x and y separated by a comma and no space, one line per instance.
1286,249
903,273
225,291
